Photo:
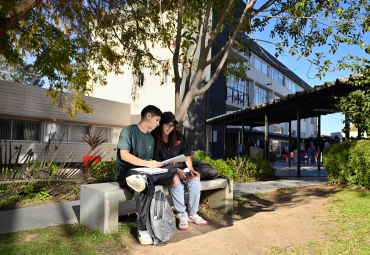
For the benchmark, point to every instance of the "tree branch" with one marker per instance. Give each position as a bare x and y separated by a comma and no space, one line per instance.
243,20
290,17
205,26
176,55
214,33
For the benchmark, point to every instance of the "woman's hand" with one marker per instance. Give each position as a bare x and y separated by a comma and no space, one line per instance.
194,174
181,174
175,163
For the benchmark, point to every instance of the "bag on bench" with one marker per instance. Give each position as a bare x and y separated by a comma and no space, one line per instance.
206,171
161,222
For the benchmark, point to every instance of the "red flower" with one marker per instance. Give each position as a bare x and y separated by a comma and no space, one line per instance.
177,143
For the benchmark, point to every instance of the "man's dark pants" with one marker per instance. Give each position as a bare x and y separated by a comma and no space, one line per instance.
143,198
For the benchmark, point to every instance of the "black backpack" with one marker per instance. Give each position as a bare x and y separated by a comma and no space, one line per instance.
206,171
160,220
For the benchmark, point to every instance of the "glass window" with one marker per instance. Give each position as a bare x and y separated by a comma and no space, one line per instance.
59,129
278,130
312,120
260,95
237,90
279,78
303,135
257,63
276,96
107,133
26,130
19,130
5,129
294,133
261,66
76,131
291,86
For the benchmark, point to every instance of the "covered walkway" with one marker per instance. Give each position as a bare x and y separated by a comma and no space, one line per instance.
313,102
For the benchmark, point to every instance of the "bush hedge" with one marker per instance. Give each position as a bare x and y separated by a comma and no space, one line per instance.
348,163
241,169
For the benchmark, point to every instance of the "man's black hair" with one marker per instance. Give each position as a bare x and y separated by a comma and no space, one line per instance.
153,110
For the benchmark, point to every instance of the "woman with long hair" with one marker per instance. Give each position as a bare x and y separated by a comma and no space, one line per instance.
170,143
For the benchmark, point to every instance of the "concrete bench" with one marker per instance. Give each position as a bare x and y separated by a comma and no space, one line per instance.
99,202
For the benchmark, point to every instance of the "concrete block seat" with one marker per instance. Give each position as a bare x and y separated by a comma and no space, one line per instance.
99,202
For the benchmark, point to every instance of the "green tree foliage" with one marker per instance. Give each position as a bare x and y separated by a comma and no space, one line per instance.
20,72
77,43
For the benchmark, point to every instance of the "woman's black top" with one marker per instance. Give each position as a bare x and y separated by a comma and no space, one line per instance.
164,153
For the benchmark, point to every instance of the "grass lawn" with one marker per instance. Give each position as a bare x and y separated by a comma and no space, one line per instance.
347,231
65,239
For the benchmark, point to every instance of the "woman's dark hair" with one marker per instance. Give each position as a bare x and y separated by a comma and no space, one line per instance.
158,136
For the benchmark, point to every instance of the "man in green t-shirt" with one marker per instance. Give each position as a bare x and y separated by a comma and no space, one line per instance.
135,149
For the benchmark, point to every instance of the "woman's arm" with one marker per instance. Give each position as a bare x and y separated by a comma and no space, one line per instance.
189,164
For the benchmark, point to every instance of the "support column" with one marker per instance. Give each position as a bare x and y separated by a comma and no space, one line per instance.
290,143
250,141
243,152
299,140
266,136
211,141
225,142
318,145
347,129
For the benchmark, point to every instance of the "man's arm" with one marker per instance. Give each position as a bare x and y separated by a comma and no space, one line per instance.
128,157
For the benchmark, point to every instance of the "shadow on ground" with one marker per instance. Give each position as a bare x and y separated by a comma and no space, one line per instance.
244,207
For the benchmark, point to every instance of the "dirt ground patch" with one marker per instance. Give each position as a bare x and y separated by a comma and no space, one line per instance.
257,223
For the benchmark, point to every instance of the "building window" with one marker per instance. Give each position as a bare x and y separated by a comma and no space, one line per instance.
237,91
294,133
19,130
276,96
279,78
60,130
278,130
260,95
291,86
303,135
72,132
261,66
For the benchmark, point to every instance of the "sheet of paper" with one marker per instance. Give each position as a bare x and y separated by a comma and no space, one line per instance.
180,158
150,171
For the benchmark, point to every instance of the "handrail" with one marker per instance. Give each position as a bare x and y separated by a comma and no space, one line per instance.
237,96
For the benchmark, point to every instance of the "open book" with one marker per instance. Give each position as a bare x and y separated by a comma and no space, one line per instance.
153,171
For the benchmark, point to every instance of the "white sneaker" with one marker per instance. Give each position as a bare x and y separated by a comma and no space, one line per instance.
137,182
144,237
197,219
183,224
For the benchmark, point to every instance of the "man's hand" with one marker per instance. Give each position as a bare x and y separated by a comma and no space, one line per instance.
181,174
154,164
194,174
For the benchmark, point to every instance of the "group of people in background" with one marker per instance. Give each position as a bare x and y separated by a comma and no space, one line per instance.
310,148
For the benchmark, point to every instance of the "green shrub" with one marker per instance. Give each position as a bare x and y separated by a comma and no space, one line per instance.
240,169
348,163
104,170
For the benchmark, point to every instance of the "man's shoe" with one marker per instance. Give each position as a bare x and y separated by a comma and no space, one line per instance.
137,182
183,224
197,219
144,237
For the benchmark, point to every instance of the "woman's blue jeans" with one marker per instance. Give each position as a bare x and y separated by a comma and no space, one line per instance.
177,194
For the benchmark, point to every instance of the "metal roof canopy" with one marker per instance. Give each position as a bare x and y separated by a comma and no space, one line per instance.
313,102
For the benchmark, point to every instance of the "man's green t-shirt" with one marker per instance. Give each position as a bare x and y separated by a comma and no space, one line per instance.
139,144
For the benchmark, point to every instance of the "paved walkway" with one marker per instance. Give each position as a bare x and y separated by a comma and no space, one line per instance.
69,212
307,170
